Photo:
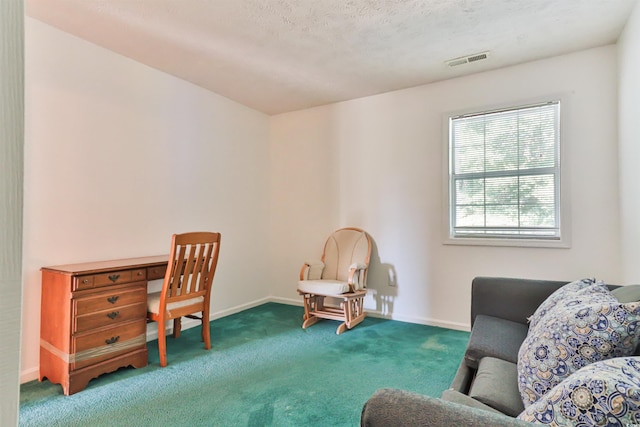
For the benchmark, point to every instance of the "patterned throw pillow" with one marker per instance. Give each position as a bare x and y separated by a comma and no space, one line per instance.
571,337
585,290
603,393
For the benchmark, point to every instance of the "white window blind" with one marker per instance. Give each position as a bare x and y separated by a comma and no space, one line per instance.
504,173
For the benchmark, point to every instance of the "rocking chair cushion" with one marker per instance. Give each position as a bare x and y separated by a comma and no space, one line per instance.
153,303
323,287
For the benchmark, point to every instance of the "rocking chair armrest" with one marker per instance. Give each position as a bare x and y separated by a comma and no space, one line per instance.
311,270
356,279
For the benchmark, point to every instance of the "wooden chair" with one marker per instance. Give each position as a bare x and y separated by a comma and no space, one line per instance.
341,274
186,289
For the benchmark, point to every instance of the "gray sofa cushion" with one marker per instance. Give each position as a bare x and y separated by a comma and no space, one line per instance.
494,337
451,395
629,293
496,385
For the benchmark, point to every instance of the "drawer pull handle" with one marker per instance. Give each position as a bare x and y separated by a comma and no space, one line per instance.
112,340
113,299
85,281
114,277
113,315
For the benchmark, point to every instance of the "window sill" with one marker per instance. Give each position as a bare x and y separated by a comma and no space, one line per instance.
517,243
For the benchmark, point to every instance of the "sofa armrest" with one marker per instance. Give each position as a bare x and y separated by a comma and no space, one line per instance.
509,299
391,407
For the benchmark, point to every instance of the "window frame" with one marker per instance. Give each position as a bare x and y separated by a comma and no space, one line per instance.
562,192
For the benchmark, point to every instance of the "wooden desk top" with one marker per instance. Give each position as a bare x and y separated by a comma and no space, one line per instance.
102,266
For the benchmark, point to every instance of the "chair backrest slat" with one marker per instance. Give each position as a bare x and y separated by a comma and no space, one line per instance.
197,269
193,261
189,270
178,272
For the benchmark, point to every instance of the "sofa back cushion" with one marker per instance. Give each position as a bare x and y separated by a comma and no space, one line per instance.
509,298
494,337
628,293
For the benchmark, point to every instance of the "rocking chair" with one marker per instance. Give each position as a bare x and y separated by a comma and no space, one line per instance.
341,274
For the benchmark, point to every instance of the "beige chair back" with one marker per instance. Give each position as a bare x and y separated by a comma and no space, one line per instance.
343,248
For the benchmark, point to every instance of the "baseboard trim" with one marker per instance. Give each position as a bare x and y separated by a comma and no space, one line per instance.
29,375
421,321
288,301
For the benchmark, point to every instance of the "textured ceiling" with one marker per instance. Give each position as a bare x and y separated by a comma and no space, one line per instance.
284,55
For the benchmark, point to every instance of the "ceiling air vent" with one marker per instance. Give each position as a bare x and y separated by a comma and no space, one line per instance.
467,59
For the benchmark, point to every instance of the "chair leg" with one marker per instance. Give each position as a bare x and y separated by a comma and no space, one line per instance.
310,321
206,335
162,343
346,313
306,303
353,314
312,303
341,328
177,327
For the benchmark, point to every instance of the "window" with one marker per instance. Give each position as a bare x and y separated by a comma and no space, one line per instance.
504,174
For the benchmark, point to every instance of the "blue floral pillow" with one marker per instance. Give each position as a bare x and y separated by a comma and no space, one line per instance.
603,393
580,291
571,337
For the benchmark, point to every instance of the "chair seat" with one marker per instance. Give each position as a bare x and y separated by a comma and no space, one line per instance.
323,287
153,303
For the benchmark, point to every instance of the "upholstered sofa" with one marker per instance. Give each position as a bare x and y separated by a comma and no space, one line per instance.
484,391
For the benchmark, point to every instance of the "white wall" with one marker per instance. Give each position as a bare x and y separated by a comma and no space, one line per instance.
11,178
304,193
119,156
629,145
381,157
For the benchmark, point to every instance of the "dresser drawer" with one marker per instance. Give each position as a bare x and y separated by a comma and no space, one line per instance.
106,279
155,273
83,282
94,347
117,277
110,300
114,316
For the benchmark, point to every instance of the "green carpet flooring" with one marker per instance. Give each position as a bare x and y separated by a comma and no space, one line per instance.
263,370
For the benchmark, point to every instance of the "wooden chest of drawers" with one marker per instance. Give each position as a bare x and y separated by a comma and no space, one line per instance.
93,318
